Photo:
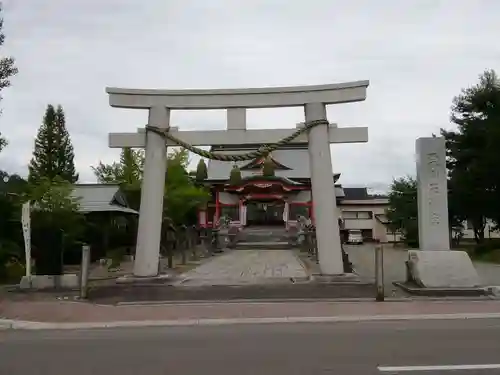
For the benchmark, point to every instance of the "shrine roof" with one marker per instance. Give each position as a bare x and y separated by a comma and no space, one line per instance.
283,180
295,159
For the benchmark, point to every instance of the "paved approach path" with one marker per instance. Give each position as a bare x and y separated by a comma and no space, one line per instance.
238,267
360,348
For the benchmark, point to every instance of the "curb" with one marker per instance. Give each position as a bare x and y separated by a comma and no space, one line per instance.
28,325
297,300
443,292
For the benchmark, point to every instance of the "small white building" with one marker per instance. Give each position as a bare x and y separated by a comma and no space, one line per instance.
362,211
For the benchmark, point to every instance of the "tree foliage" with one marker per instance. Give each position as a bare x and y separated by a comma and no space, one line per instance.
3,142
57,224
235,175
201,171
53,155
7,70
55,206
54,195
12,193
7,64
403,209
127,172
182,196
472,153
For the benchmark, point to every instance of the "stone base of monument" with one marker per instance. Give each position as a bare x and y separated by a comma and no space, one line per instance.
67,281
136,280
441,273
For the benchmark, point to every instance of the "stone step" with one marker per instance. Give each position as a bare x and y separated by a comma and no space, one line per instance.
263,235
263,245
262,239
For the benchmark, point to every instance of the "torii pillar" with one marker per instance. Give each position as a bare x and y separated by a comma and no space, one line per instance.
312,98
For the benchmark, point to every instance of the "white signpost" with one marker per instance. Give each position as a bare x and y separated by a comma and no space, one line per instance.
26,223
313,99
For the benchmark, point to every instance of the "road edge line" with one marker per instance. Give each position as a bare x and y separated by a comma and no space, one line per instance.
32,325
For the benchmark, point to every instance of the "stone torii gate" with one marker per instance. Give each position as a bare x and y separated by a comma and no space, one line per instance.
314,99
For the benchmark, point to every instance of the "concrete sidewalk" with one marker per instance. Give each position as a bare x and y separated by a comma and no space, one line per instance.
72,315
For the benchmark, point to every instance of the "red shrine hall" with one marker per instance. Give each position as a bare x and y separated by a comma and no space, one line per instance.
258,199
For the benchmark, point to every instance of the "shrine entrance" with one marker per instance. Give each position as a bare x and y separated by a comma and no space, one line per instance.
265,213
317,133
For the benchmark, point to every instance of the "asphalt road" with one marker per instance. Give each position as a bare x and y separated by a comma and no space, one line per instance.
277,349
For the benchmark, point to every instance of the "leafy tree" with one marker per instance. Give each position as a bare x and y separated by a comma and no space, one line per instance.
472,153
201,171
182,196
7,70
57,223
403,209
3,142
12,192
53,155
54,196
127,172
7,64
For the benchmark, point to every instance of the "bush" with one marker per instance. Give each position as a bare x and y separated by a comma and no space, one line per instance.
10,253
47,242
410,238
56,224
487,246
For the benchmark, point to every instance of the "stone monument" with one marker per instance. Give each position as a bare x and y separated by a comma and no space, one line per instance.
435,265
433,230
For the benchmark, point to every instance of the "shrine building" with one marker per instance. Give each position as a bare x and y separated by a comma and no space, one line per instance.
259,200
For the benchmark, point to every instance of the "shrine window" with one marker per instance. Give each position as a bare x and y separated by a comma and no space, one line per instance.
357,215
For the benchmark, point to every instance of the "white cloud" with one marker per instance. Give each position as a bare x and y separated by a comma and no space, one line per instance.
417,54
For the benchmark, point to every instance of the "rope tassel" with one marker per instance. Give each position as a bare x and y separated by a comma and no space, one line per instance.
263,150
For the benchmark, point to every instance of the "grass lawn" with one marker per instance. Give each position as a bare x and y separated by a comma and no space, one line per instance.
490,257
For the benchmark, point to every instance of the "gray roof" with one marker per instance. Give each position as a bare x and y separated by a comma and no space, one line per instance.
101,198
295,159
361,193
356,193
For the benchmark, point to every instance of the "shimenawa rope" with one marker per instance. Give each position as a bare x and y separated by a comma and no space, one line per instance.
263,150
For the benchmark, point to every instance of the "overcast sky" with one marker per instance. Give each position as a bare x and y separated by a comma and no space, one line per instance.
416,54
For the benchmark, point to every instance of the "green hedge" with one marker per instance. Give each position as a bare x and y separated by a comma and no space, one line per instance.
487,246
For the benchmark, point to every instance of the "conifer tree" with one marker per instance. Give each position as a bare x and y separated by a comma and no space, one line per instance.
235,175
53,155
201,171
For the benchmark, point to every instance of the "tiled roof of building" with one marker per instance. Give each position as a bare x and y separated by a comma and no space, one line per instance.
356,193
101,198
360,193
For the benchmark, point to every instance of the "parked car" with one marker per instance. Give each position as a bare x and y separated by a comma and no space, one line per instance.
354,237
